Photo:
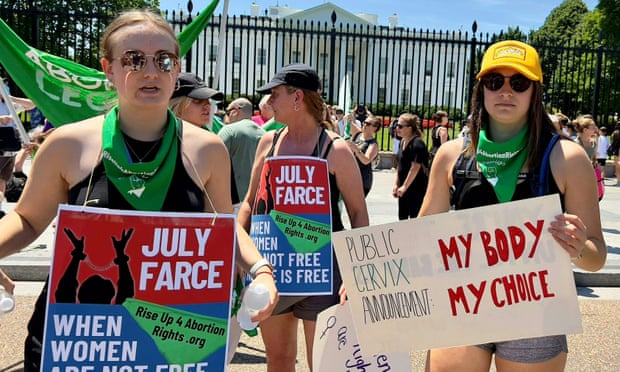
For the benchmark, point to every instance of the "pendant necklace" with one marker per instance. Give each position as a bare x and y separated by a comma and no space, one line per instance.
134,154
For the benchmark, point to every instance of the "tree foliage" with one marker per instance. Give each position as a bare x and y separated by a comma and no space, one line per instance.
561,23
610,21
66,28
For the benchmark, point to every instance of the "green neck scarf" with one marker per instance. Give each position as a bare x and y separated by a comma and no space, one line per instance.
143,185
501,163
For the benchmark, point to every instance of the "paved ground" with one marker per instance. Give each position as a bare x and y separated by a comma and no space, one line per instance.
599,296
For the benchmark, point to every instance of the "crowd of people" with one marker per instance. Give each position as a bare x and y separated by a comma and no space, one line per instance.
212,160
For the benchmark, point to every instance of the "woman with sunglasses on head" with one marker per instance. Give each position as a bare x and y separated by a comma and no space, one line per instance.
364,147
297,103
94,160
412,169
510,132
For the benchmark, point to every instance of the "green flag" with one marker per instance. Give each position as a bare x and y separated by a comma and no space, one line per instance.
66,91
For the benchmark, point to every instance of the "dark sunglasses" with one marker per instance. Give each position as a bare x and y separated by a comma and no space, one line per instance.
495,81
135,60
400,126
371,124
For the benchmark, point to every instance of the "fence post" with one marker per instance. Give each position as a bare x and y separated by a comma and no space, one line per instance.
472,65
332,56
188,55
597,78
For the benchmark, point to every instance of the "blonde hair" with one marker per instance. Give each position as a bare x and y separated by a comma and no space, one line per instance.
130,18
179,104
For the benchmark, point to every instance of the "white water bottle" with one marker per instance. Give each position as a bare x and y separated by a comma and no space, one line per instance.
256,297
7,302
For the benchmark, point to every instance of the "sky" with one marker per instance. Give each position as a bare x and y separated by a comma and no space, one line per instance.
492,16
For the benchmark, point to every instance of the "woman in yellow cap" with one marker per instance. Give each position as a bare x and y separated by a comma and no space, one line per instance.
510,131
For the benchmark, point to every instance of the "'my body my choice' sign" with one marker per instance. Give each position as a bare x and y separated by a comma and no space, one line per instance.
479,275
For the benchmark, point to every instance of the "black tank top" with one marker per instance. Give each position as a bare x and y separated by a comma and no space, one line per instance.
183,195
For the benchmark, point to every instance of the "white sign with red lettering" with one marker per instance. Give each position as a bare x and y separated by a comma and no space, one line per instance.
462,278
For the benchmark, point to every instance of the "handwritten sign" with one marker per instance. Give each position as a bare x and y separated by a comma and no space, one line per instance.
461,278
336,347
291,224
139,291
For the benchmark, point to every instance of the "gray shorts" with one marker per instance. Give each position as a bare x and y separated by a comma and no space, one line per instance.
305,307
528,350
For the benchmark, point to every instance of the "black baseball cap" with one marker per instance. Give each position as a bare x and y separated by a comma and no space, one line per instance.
192,86
297,75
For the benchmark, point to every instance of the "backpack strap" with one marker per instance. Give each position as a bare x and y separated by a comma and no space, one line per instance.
545,168
464,169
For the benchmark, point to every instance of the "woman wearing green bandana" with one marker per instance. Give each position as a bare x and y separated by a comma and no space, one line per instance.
510,131
137,157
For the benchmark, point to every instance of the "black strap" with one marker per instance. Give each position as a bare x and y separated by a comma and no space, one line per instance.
545,168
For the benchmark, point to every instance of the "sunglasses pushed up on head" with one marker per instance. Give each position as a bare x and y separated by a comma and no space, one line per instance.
135,60
495,81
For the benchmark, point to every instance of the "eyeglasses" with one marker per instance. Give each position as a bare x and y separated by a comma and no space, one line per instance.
135,60
495,81
229,110
400,126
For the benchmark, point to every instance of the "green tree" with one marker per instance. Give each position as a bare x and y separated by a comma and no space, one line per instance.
69,29
610,21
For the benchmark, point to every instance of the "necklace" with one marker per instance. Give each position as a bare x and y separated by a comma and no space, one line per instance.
141,146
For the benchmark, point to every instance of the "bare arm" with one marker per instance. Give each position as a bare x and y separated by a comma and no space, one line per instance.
578,230
437,199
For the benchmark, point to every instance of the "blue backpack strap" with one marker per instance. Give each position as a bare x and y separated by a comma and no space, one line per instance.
545,168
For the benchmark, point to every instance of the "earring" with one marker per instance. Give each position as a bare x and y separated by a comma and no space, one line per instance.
295,107
177,86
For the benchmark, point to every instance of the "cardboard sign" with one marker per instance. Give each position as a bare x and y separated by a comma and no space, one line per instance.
145,291
336,347
291,224
461,278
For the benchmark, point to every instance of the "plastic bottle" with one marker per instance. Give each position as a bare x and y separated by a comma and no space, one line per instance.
7,302
256,297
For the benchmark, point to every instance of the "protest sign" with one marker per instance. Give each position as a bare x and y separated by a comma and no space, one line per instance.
467,277
291,224
143,291
336,347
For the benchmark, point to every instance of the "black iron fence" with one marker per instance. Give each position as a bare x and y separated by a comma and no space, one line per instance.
389,69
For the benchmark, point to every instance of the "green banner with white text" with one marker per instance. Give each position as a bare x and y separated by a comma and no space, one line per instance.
66,91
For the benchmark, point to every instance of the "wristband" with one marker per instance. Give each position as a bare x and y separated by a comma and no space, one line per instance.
259,264
270,273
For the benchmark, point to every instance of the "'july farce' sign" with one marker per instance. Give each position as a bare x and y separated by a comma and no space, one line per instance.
467,277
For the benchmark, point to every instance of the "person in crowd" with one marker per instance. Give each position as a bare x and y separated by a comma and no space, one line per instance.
439,134
364,147
563,122
361,113
140,58
296,102
614,151
601,146
569,130
412,171
338,119
241,135
586,135
508,117
193,101
7,158
265,111
327,121
395,142
465,127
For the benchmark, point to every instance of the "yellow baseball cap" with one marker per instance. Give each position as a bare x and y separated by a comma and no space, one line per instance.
514,54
